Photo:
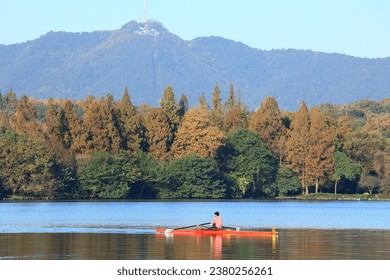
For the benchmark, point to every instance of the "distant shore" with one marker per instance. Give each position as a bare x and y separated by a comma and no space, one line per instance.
329,196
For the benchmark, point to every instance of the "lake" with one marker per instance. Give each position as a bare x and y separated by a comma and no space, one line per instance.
112,230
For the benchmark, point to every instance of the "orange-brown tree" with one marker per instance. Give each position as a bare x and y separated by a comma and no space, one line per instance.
101,126
297,146
157,132
76,141
197,135
320,160
24,121
267,123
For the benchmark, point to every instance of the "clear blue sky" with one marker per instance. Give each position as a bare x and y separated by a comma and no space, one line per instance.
354,27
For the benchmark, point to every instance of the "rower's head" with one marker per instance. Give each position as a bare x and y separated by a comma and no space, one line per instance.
216,213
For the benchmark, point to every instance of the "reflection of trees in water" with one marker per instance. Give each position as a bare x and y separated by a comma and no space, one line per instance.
300,244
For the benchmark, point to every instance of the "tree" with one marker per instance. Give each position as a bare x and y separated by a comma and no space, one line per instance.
4,122
248,162
320,161
297,146
24,120
101,126
369,182
267,123
129,123
197,135
184,105
217,110
368,149
8,102
345,168
193,176
76,141
56,128
108,176
286,182
172,110
157,133
28,168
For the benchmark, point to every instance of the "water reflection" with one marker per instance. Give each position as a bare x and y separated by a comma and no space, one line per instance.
290,244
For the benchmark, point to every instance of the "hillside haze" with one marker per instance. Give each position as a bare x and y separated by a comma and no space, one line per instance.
147,58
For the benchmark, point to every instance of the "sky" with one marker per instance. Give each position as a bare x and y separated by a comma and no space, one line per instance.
354,27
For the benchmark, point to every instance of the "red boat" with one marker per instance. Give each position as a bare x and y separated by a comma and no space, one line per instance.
212,232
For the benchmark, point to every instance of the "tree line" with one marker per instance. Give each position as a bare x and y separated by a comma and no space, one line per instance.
110,149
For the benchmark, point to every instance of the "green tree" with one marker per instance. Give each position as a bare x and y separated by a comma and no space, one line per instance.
109,177
345,168
8,102
184,105
287,183
217,110
248,162
129,123
29,168
171,109
194,177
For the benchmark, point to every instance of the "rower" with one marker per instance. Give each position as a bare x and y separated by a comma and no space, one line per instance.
217,221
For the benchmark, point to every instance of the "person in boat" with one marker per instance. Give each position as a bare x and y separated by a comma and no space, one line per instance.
217,221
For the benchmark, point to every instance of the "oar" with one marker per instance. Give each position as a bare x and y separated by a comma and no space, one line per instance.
169,230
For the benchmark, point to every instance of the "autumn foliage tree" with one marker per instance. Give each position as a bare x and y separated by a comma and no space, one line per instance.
103,148
267,123
197,135
24,120
320,161
157,132
297,146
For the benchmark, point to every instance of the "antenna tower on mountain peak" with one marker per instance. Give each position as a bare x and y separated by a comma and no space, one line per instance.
145,11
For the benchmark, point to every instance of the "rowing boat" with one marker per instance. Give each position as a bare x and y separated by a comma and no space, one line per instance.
213,232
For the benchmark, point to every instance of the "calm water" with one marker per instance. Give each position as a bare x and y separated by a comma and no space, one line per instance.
125,230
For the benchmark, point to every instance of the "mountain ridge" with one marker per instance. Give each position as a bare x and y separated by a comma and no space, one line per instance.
147,58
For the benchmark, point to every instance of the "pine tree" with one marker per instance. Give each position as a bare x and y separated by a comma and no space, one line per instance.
235,113
130,123
217,110
172,110
184,105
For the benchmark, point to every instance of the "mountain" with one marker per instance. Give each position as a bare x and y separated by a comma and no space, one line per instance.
147,58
